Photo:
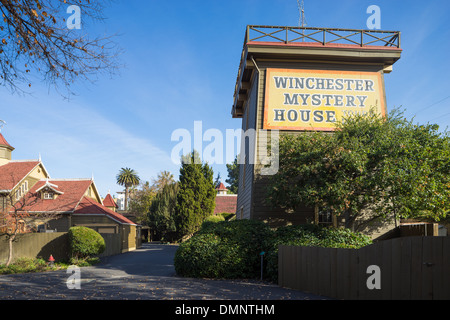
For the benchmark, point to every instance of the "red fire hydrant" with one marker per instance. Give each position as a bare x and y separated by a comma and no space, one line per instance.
51,261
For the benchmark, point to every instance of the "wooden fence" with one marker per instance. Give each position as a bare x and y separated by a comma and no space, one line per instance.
42,245
410,268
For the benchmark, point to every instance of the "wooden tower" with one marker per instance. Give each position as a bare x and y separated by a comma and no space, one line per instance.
295,79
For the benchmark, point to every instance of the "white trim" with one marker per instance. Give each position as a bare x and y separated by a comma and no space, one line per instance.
51,187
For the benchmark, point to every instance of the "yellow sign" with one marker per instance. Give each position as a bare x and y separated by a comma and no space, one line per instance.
315,99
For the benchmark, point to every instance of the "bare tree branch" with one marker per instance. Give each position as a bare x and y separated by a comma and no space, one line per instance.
35,39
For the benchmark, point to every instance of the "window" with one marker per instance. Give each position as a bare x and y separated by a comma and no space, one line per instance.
48,195
325,217
3,202
23,188
18,193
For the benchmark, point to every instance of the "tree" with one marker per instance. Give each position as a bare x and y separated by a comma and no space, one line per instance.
140,201
164,178
209,199
418,173
386,168
36,38
196,195
218,180
15,218
161,216
127,178
233,175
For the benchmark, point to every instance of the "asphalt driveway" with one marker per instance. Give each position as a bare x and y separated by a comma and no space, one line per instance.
145,274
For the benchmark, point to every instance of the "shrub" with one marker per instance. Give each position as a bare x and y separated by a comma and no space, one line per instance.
230,249
85,242
207,256
226,249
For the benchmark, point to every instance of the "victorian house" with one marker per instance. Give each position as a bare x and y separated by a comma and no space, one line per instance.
55,205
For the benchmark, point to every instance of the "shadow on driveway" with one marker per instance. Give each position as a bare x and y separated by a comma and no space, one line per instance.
145,274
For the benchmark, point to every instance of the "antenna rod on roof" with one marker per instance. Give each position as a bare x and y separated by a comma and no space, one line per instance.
2,123
301,10
302,18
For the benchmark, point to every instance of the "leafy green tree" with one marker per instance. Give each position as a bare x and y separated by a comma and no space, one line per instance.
386,168
140,201
209,200
418,173
127,178
196,195
161,216
233,175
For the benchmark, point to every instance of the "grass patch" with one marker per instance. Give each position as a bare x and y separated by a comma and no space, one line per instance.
33,265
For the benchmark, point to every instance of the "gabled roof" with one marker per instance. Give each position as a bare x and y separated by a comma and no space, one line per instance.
72,193
15,171
109,201
90,206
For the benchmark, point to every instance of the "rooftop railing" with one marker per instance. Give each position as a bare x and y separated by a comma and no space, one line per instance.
322,36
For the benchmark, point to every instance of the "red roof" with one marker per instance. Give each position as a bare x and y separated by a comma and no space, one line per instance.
14,171
71,200
90,206
221,187
3,142
73,192
109,201
226,203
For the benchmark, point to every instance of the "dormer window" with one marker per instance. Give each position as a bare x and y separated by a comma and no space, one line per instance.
48,195
49,191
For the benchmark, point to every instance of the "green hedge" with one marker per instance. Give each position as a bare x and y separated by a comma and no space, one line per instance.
231,249
85,242
227,249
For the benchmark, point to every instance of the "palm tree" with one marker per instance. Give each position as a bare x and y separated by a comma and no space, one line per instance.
127,178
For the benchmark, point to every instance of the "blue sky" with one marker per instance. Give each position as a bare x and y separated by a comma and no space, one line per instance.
181,60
